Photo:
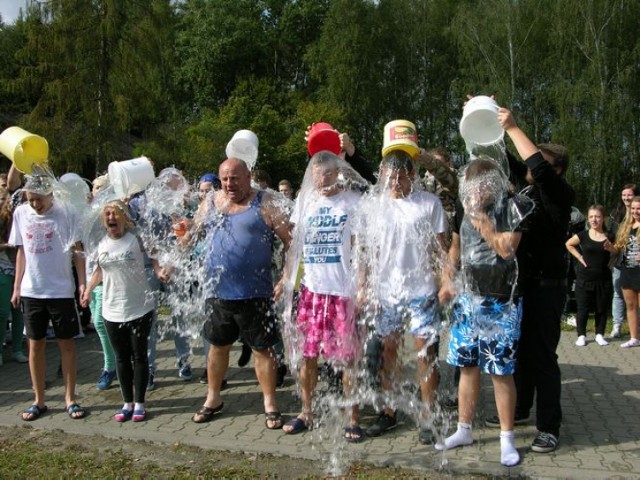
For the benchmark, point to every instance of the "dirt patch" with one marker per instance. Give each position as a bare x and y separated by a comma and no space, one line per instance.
26,452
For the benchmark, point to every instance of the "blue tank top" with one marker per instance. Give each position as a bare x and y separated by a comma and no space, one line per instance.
238,255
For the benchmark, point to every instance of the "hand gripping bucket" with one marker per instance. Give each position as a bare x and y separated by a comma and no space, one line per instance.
24,149
400,135
323,136
479,124
243,146
130,176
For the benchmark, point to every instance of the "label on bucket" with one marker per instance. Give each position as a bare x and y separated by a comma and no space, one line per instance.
403,132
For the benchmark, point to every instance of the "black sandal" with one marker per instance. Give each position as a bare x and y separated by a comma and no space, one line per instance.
206,414
275,417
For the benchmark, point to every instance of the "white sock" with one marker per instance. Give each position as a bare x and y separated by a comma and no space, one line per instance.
139,406
508,454
127,406
462,436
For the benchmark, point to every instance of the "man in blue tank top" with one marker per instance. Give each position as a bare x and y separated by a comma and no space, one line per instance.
240,223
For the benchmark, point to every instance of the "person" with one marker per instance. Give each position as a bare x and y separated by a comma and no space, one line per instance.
618,308
285,188
405,254
325,321
126,307
543,261
47,240
261,178
7,278
240,222
108,371
628,242
593,251
487,314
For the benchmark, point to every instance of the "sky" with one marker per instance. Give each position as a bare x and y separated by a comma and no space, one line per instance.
9,9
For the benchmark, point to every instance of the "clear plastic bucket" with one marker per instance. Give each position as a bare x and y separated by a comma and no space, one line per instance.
400,135
130,176
243,146
479,124
24,149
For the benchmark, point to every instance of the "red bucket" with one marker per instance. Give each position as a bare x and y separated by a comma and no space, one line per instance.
323,136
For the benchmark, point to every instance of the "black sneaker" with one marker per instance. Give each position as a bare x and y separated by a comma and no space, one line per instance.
494,421
544,442
383,424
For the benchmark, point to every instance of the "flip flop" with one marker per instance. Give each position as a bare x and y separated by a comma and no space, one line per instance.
353,434
35,411
76,412
206,414
275,417
297,425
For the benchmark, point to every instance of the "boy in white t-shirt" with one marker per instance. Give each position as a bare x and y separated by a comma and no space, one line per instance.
47,241
325,322
403,250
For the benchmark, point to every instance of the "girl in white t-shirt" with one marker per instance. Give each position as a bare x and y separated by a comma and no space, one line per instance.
127,306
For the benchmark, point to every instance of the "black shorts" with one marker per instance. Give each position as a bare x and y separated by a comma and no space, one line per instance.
254,320
630,278
61,311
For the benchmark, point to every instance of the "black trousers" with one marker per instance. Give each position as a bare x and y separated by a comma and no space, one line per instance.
537,369
593,297
129,341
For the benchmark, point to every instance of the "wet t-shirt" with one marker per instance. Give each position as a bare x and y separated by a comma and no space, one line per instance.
326,250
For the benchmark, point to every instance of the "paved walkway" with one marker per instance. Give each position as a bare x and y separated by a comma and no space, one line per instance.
600,437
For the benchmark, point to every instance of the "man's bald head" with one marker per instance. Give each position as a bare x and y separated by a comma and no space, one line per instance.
235,177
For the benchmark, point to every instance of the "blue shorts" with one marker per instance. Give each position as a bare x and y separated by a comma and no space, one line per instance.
485,333
421,315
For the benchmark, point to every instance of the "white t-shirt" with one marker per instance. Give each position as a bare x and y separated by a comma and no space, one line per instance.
126,294
326,226
47,241
407,240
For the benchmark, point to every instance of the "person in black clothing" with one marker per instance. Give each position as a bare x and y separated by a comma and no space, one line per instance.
593,250
542,261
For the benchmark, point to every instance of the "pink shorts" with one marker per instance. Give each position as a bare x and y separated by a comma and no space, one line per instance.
326,324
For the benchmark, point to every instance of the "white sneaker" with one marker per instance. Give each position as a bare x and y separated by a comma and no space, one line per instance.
615,332
634,342
601,341
581,341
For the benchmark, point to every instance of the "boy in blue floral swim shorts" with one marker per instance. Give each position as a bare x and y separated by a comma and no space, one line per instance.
486,316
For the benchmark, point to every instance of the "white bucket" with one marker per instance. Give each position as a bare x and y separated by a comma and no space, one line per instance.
243,146
479,124
130,176
24,149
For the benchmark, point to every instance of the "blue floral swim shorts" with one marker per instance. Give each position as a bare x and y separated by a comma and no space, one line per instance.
485,333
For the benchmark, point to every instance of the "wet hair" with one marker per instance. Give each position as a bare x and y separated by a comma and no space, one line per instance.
38,184
559,154
324,157
479,167
397,160
123,209
285,182
625,228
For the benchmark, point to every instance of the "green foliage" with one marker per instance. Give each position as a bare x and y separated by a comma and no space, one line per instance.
110,79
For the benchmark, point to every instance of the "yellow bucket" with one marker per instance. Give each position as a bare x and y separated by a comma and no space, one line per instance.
400,135
24,149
